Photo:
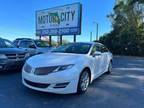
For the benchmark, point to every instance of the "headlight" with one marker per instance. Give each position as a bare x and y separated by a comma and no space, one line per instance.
64,67
27,55
2,56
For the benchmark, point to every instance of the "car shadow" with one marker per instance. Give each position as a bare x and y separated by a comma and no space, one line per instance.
10,72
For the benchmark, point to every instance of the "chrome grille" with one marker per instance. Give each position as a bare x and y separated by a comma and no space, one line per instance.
15,56
39,85
21,56
45,70
11,56
27,68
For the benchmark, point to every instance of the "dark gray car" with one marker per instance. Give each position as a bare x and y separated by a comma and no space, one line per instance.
32,46
10,56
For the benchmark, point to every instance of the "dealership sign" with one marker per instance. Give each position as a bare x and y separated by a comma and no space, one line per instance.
64,20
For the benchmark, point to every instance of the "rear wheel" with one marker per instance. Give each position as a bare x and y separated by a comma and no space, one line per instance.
84,81
109,68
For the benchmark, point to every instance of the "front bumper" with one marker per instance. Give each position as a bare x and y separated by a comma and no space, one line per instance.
11,64
59,82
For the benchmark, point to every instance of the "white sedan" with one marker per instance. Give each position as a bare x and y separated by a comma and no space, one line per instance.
67,69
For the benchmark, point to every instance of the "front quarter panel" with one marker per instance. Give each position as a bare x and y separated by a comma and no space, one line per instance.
85,62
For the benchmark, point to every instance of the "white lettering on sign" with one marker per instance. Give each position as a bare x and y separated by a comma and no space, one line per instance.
63,17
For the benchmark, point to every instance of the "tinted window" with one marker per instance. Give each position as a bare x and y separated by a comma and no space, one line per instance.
95,48
77,48
15,42
25,44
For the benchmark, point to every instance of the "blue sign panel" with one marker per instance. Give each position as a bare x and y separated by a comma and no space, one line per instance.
64,20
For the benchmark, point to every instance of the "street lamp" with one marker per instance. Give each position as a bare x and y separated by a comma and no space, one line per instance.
97,29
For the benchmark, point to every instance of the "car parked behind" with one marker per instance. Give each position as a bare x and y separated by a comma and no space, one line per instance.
32,46
10,56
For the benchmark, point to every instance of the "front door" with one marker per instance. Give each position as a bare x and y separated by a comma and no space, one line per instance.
96,61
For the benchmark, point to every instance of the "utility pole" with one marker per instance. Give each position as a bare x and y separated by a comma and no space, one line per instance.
90,36
97,30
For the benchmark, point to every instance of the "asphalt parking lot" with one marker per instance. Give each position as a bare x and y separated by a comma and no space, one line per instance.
124,88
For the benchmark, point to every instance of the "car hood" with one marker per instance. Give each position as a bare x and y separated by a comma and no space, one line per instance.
43,50
54,59
11,51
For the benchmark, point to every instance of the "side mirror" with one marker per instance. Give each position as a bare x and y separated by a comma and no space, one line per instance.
97,53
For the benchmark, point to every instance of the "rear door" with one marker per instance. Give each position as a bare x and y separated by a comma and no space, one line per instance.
104,58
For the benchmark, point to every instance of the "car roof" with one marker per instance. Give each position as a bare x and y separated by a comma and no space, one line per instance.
4,39
28,39
1,38
91,43
23,39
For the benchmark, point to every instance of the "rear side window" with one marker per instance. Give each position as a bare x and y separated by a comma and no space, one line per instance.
104,49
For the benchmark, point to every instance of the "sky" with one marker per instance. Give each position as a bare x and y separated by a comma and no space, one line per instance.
17,17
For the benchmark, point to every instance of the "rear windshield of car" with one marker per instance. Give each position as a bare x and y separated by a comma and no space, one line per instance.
16,42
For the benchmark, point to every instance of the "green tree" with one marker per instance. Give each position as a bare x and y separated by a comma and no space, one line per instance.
127,36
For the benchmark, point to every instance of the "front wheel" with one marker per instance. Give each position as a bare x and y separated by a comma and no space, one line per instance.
84,81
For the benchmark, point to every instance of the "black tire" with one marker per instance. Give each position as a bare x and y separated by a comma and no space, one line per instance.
109,68
82,88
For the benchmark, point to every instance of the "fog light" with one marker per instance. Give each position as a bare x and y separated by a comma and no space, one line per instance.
61,85
1,67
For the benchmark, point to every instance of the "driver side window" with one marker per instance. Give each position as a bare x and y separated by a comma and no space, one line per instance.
95,48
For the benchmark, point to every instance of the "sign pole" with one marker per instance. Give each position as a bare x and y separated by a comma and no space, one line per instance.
61,40
40,37
50,40
74,38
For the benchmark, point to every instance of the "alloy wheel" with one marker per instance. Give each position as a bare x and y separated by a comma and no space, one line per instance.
84,81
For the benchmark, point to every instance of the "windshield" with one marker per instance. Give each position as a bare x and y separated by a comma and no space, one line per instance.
15,42
6,44
40,43
77,48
